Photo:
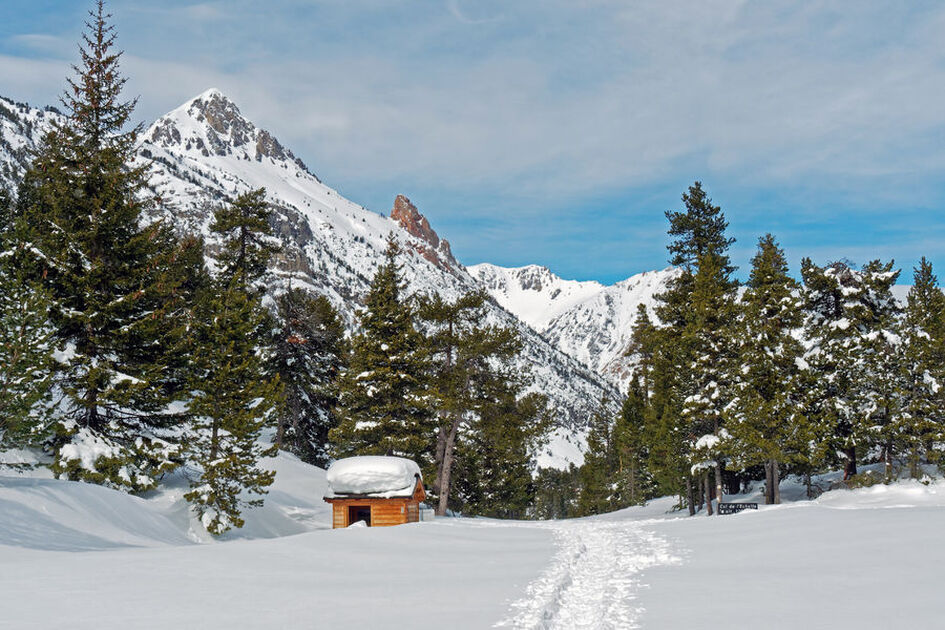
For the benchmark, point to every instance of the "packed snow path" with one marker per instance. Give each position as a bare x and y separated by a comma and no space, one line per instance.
593,578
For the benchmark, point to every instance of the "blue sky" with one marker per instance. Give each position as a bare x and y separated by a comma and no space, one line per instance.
558,132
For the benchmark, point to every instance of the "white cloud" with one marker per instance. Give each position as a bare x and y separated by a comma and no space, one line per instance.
538,106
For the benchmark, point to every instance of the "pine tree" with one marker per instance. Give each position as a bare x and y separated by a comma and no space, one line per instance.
766,420
644,341
307,354
921,422
232,397
659,354
384,396
851,327
26,344
555,493
231,402
697,312
698,231
597,480
494,464
710,367
248,242
472,366
118,299
633,480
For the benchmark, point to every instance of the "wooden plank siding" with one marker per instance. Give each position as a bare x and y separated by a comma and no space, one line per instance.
339,516
384,512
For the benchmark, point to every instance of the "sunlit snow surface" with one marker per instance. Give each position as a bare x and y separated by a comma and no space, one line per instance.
81,556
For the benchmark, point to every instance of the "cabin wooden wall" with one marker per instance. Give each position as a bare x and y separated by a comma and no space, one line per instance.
384,512
387,513
339,516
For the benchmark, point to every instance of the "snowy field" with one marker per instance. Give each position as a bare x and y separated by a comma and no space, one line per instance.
80,556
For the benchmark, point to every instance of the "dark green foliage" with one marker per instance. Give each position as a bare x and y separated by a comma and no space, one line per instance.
248,242
634,484
692,353
698,231
596,476
766,419
231,395
851,325
231,402
556,493
307,353
495,461
117,298
26,345
384,399
615,472
474,377
920,422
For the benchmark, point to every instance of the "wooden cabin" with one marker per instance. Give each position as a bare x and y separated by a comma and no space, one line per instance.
381,491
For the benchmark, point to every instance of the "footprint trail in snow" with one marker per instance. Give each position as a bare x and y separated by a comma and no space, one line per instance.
593,578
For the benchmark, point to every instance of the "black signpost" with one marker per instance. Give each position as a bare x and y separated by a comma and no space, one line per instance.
732,508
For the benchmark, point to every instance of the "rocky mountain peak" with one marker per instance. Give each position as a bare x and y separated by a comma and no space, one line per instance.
405,213
434,249
222,116
212,125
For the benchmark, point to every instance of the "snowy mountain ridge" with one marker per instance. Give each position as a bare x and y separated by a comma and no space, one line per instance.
587,320
21,129
205,152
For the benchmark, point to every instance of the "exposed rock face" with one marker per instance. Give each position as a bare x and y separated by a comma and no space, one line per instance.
409,218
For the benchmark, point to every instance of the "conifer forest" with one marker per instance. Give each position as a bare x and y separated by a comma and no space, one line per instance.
132,351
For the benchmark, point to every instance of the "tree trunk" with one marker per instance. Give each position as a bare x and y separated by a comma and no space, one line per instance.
690,496
449,448
769,483
700,493
708,493
438,455
214,441
888,460
849,468
719,493
775,482
280,433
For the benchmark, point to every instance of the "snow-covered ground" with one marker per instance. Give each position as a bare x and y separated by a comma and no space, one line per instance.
80,556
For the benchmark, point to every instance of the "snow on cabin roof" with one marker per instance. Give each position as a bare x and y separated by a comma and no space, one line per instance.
371,475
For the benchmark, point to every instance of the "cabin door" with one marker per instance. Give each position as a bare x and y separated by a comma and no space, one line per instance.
359,513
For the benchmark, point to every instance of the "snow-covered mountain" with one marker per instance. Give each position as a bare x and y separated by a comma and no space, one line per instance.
589,321
21,129
206,152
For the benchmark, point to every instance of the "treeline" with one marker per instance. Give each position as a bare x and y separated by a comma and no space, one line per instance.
125,356
767,379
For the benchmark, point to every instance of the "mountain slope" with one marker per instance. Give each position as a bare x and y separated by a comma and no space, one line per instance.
586,320
21,129
206,152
